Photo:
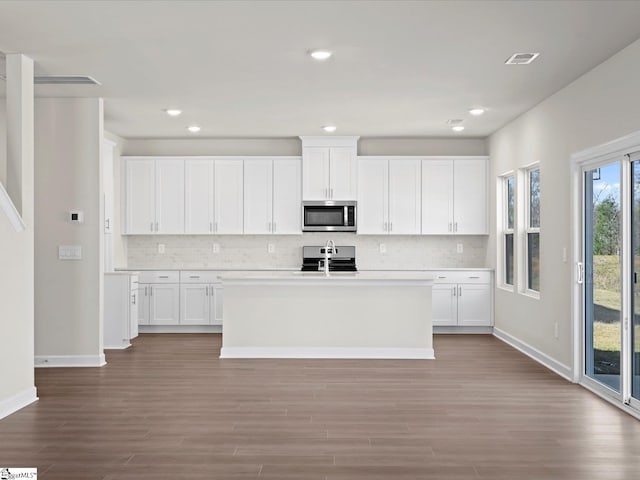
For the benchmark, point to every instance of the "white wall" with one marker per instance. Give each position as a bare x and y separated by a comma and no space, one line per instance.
119,242
601,106
3,139
68,302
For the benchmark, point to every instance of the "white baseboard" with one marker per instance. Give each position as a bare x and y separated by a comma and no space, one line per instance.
327,352
563,370
122,346
180,328
18,401
463,330
45,361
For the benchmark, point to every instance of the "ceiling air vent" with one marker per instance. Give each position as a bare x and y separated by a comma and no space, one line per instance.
454,121
64,80
521,58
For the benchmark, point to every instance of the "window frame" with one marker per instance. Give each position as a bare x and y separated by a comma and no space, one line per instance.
504,230
528,229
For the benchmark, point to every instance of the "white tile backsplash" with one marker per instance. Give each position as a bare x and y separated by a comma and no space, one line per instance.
251,251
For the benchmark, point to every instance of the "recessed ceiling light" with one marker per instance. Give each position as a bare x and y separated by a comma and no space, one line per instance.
193,128
329,128
320,54
476,111
521,58
457,128
173,112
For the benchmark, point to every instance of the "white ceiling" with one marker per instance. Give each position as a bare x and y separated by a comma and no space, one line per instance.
240,68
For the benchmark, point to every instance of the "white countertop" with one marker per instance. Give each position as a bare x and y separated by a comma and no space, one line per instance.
343,278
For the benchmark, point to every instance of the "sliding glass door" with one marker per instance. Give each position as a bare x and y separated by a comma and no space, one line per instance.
602,274
634,339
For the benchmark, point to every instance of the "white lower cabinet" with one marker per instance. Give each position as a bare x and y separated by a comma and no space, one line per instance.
462,299
159,298
199,297
120,309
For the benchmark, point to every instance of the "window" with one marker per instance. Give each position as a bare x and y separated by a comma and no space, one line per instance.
507,184
532,229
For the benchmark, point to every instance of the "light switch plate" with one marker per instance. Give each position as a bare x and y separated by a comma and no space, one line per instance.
69,252
215,248
383,248
161,248
459,248
271,248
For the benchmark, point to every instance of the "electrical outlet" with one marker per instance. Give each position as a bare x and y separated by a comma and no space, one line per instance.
215,248
459,248
556,332
271,248
564,254
161,248
383,248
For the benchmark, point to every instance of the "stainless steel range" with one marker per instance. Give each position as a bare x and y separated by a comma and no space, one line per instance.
341,258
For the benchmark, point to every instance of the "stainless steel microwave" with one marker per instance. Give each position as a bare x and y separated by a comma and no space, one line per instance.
329,216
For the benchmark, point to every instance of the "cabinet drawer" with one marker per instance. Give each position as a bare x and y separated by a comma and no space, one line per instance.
457,276
199,276
164,276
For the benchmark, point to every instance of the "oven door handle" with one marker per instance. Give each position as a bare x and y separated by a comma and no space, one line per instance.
346,216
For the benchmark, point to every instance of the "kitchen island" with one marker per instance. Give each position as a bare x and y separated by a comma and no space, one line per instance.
343,315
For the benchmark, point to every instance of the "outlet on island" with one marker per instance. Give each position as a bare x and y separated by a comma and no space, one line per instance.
271,248
215,247
161,248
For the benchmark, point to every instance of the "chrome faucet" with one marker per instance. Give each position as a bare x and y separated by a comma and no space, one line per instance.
329,245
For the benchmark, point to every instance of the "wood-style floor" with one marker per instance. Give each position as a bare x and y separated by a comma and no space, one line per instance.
168,408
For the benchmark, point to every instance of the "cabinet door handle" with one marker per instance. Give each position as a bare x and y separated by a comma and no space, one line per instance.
156,226
474,276
151,227
163,276
108,220
134,298
215,226
385,226
455,227
191,276
331,196
455,291
274,227
391,226
441,276
211,290
206,291
459,291
450,226
151,291
211,226
145,291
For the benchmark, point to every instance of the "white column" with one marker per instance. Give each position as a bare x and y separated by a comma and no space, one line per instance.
20,133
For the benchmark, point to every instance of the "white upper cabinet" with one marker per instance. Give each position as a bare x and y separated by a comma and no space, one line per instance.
272,196
170,196
198,210
373,197
228,194
329,168
258,196
454,196
437,196
388,196
154,196
404,197
287,196
470,199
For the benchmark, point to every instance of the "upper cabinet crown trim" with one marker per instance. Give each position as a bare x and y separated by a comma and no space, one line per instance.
329,141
